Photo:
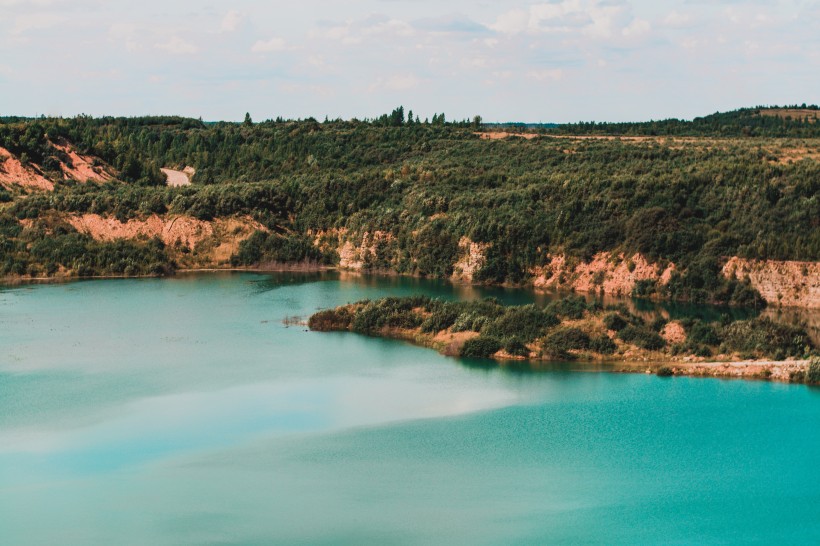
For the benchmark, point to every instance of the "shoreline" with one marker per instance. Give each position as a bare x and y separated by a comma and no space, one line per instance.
299,267
785,371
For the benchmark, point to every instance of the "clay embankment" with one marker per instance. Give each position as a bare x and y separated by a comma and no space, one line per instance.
14,173
80,167
790,284
611,274
214,242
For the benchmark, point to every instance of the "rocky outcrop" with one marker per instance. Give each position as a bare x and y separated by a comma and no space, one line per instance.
789,284
611,274
472,259
365,254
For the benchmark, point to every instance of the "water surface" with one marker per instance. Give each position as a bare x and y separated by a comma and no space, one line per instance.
183,411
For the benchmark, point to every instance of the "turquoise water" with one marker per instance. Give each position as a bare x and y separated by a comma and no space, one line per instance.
183,411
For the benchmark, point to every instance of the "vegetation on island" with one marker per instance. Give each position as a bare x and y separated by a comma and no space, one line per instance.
566,329
424,185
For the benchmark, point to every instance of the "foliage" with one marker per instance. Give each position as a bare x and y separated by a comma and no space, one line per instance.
562,340
526,322
330,320
642,337
764,337
262,247
515,347
480,347
603,345
427,185
813,372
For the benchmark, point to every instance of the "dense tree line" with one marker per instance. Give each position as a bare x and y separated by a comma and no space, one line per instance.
746,122
427,185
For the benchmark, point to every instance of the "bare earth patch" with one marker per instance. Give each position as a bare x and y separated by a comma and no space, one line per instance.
608,273
176,179
14,173
788,283
501,135
81,168
172,231
674,333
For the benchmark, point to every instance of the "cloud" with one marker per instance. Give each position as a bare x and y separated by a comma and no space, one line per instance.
230,22
638,27
546,75
178,46
399,82
269,46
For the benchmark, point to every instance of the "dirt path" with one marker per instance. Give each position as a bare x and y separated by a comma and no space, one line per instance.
179,178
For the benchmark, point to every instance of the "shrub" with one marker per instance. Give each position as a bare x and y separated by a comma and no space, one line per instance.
813,373
526,322
764,337
330,320
702,333
658,324
572,307
614,321
642,337
561,341
516,347
602,345
469,322
480,347
665,371
441,319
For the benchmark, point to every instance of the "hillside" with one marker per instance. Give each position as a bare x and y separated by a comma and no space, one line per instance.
710,212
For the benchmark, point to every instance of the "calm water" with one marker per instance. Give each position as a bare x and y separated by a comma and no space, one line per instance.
184,411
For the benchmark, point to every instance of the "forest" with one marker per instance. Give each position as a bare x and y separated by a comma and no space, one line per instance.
690,193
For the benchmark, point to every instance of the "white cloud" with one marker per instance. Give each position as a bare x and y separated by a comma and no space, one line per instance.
512,22
546,75
178,46
230,22
269,46
638,27
399,82
676,19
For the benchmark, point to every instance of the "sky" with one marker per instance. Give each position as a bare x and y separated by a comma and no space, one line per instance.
554,61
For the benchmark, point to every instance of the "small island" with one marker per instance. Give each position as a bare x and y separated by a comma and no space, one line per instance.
574,328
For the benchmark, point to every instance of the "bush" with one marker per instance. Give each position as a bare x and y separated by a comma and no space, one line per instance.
470,322
702,333
614,321
665,371
561,341
516,347
526,322
602,345
643,338
764,337
480,347
441,319
330,320
572,307
813,373
658,324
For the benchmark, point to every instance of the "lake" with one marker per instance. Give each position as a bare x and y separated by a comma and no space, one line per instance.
185,411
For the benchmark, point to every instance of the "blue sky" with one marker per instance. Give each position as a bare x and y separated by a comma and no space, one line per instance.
564,60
